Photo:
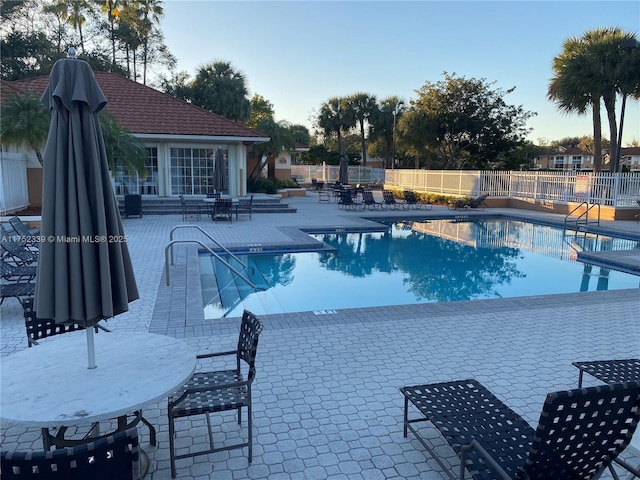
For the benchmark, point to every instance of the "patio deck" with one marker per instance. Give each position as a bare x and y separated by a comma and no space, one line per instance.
326,399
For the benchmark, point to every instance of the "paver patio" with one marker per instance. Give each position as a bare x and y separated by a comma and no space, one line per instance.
326,399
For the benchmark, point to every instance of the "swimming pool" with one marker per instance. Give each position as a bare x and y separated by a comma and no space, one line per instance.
415,262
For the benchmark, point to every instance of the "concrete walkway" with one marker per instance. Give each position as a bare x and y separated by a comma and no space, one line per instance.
326,399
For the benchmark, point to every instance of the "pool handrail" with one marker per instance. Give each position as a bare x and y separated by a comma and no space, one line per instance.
216,243
218,257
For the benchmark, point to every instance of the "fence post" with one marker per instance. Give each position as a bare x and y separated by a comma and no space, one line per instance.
616,188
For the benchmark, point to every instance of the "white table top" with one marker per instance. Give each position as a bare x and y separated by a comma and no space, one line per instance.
50,385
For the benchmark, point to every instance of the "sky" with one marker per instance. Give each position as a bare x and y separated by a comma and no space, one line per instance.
298,54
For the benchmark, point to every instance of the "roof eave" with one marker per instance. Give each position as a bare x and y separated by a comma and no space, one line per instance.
200,138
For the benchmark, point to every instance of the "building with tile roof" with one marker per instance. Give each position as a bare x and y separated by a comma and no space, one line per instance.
181,138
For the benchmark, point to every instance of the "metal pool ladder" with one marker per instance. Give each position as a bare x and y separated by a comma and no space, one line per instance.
583,218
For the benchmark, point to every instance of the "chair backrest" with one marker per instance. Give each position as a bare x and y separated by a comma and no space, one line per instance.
581,431
367,196
410,196
5,233
20,227
250,330
38,328
345,196
387,197
224,205
108,458
478,201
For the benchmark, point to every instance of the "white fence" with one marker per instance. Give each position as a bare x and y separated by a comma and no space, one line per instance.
618,190
14,193
329,173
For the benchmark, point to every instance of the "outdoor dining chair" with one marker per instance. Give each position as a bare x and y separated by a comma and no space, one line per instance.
579,434
14,273
245,208
223,209
189,209
115,456
219,391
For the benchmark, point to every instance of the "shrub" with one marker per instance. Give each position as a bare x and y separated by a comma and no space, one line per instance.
269,185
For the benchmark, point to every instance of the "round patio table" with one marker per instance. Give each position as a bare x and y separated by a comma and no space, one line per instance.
50,385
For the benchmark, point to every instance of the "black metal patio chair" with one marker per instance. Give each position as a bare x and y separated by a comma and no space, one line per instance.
115,456
189,209
222,209
411,201
245,207
219,391
611,372
476,203
580,432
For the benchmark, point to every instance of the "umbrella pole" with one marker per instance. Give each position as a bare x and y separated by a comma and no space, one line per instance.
91,350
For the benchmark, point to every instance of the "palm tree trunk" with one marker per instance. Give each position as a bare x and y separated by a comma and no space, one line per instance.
364,144
610,105
597,137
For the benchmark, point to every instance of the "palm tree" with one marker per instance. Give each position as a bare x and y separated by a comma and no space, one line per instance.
331,118
112,9
592,68
574,88
360,107
73,12
221,89
383,125
24,121
122,148
152,12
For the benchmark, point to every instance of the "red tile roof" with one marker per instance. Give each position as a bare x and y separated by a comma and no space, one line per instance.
143,110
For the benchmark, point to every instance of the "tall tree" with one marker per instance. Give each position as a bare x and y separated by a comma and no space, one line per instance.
74,12
382,126
360,108
594,67
474,124
152,11
332,118
220,88
111,8
261,109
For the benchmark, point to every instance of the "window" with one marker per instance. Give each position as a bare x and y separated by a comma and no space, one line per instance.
192,170
576,162
559,161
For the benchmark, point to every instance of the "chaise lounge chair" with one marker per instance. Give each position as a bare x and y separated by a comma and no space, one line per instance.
411,201
347,202
476,203
368,200
580,432
389,201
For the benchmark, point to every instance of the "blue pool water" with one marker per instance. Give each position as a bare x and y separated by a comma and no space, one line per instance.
415,262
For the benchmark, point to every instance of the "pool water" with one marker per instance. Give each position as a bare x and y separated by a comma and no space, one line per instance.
415,262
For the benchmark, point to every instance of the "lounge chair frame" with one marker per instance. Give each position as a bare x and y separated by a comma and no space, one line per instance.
369,201
493,441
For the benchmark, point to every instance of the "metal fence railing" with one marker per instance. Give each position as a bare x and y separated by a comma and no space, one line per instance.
604,188
329,174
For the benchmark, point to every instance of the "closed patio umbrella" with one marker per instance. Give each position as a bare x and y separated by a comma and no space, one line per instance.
84,272
343,173
219,176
